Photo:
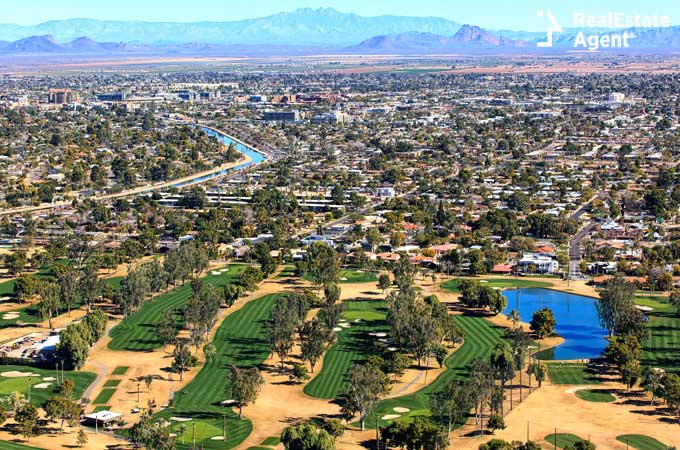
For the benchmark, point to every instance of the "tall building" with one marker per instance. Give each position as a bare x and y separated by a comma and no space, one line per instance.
281,116
62,96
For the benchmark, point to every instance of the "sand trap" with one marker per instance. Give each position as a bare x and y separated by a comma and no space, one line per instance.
49,379
401,409
390,416
343,278
392,349
214,272
5,298
224,270
380,335
217,438
577,388
228,402
10,316
357,320
337,329
644,308
344,325
17,374
483,281
42,385
181,419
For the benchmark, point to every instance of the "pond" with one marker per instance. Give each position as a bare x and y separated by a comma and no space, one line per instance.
576,317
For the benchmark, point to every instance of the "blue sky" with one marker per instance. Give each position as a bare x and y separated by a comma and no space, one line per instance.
493,14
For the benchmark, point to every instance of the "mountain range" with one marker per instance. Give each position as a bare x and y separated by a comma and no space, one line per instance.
304,31
322,26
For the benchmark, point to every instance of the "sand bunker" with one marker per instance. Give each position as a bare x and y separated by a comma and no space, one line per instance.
337,329
17,374
5,298
217,438
345,325
390,416
49,379
10,316
380,335
214,272
644,308
181,419
401,409
42,385
228,402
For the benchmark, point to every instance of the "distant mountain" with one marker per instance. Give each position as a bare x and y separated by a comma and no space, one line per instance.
33,44
468,38
304,26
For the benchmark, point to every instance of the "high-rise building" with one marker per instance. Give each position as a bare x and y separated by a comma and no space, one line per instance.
62,96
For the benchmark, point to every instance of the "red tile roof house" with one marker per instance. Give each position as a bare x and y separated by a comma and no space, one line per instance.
502,268
444,249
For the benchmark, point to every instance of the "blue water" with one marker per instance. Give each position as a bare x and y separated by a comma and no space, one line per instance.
255,157
576,317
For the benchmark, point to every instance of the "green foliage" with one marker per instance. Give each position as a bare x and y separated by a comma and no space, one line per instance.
419,434
307,437
543,322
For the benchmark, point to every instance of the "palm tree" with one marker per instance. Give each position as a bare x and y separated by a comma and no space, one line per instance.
514,317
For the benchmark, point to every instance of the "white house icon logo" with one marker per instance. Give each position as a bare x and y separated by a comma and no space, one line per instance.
554,27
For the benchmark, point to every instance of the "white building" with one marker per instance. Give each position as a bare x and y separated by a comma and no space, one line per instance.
538,263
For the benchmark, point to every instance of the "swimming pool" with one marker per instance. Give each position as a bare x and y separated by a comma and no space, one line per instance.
576,317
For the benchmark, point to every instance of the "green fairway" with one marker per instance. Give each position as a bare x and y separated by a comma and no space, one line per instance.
661,348
138,331
240,340
480,338
7,288
104,396
6,445
641,442
560,373
81,381
120,370
562,439
354,345
595,395
502,283
112,383
352,276
271,441
288,271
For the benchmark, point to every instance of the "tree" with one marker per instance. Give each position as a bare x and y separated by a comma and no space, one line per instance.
331,293
365,385
581,445
540,370
675,299
50,302
543,322
652,381
514,317
244,386
250,278
27,418
384,282
72,348
210,352
420,434
307,437
299,373
503,363
165,329
81,439
63,409
616,302
330,315
451,404
182,357
314,340
495,422
322,264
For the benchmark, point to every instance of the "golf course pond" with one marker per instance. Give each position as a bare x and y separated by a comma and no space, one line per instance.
576,317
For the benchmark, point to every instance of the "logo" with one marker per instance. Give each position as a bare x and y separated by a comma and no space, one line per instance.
554,27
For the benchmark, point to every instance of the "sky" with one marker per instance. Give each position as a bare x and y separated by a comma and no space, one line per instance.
491,14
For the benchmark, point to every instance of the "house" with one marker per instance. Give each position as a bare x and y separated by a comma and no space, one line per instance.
538,263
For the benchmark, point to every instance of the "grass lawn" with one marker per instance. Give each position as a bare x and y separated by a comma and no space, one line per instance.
560,373
288,271
480,338
352,276
503,283
641,442
120,370
6,445
562,439
661,348
242,340
354,345
271,441
595,395
104,396
112,383
114,282
81,381
7,288
138,331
